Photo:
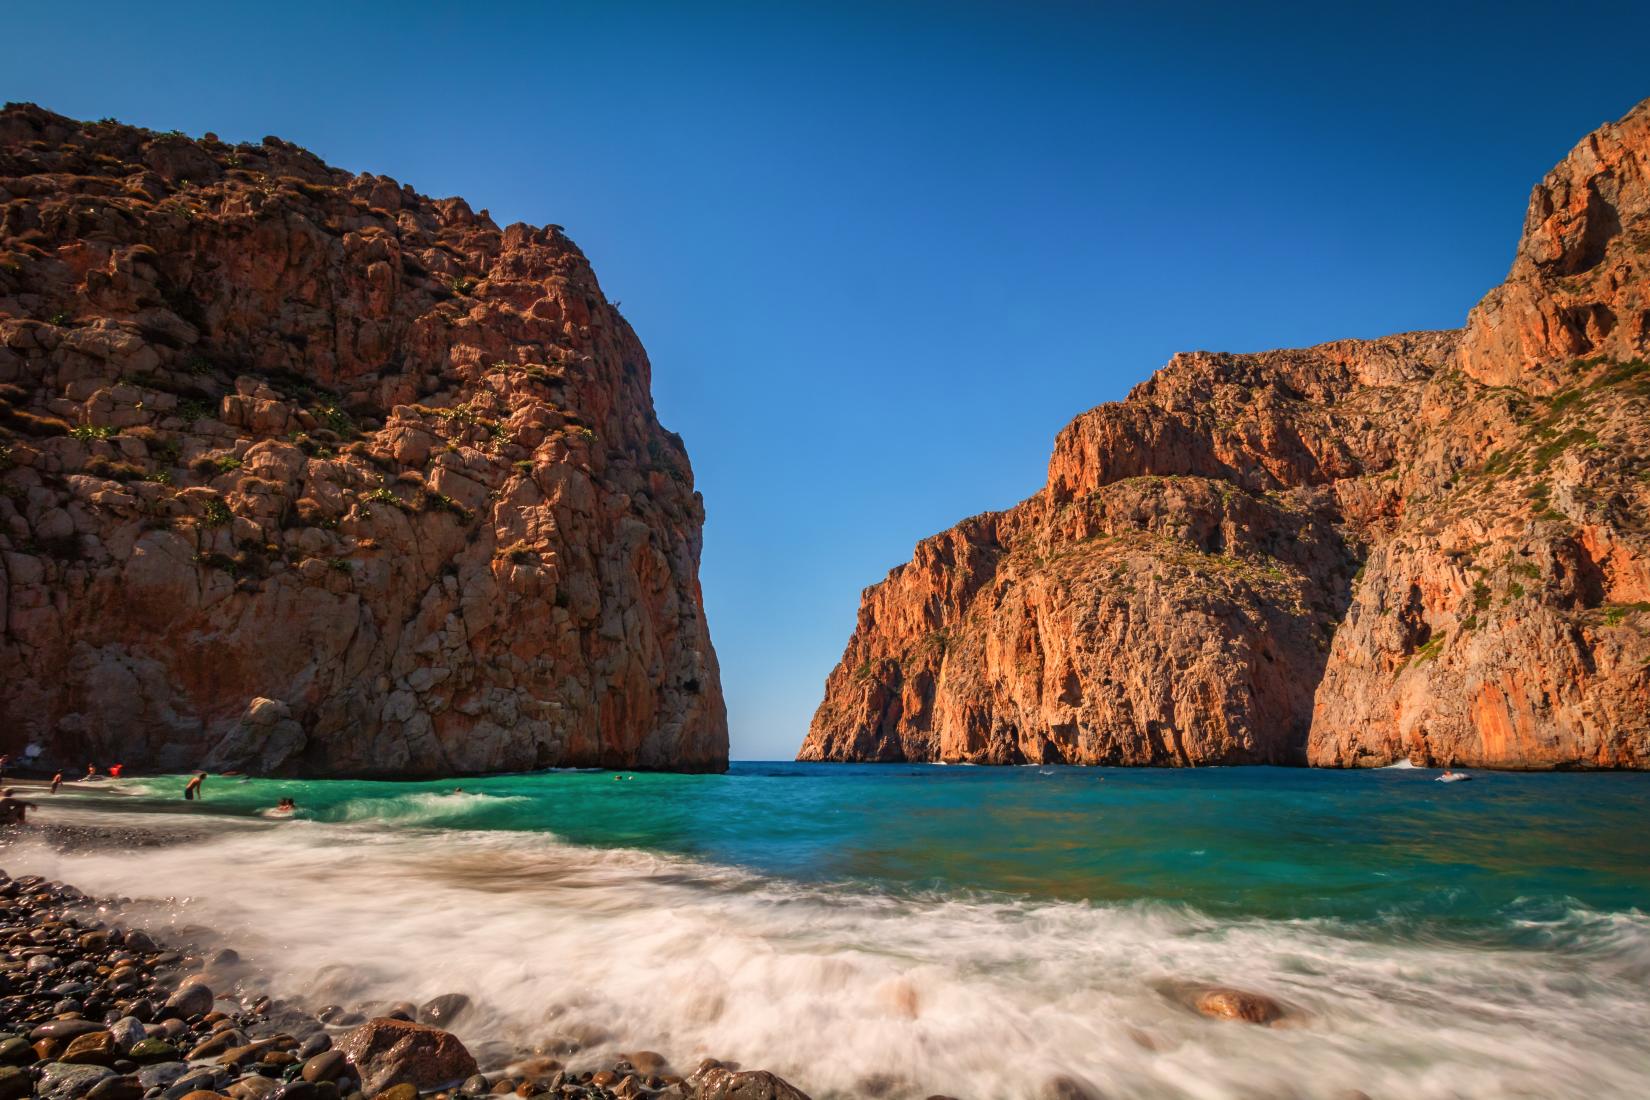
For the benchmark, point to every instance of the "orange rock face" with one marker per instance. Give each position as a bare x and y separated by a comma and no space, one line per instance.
1433,546
303,472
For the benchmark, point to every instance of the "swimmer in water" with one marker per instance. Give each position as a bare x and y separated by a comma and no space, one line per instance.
192,789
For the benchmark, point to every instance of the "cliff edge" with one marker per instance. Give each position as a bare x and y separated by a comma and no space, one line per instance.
303,472
1432,546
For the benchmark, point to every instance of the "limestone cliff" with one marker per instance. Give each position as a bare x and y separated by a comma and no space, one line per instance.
1433,546
304,472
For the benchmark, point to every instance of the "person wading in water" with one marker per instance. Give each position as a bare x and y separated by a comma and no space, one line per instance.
192,789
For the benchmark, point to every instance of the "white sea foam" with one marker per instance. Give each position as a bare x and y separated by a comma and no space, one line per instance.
971,996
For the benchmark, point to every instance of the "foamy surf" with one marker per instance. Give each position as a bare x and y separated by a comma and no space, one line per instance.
852,990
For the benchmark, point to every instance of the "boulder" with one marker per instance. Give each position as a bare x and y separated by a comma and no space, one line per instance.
261,742
718,1083
1223,1003
389,1052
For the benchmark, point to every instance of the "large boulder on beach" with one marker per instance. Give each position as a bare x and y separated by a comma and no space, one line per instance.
264,739
389,1052
719,1083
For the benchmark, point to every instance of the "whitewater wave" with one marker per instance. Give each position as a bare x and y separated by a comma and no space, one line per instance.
853,992
436,808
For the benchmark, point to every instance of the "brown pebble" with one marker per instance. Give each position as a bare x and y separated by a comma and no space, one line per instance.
402,1091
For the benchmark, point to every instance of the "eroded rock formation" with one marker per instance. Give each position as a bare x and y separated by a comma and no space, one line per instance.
1433,546
301,471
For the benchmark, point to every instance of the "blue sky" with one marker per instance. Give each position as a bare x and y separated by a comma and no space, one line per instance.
881,253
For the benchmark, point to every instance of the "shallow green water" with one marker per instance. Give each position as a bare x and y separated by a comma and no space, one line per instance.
1271,842
965,931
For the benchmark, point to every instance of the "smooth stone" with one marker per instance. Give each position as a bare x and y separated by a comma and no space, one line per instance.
191,1001
441,1011
162,1074
301,1090
326,1066
247,1053
150,1051
474,1086
41,964
220,1043
1065,1088
127,1030
95,1048
65,1029
116,1088
15,1051
402,1091
315,1044
171,1027
203,1079
254,1087
64,1082
137,940
15,1083
1238,1004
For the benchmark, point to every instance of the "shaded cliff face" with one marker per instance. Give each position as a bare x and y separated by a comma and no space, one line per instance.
301,471
1433,546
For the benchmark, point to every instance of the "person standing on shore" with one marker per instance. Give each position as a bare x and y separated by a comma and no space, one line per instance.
192,789
13,811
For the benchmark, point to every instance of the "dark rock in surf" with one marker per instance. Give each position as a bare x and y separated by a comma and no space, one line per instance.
723,1084
1238,1004
389,1052
443,1010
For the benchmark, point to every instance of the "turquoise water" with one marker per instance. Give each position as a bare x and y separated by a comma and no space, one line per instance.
901,931
1269,842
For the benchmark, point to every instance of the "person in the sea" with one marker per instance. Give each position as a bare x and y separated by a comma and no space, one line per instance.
115,770
91,773
14,811
1448,773
57,781
192,789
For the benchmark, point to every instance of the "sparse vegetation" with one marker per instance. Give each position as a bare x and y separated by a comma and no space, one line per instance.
1616,613
216,513
93,431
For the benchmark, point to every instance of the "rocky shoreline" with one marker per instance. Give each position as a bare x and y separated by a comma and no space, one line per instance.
91,1009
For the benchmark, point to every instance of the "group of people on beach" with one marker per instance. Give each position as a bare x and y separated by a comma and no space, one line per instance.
14,811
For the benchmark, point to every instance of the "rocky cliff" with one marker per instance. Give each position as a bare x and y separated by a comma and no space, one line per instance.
304,472
1433,546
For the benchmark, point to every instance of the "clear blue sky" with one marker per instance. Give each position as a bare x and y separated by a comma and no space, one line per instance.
881,253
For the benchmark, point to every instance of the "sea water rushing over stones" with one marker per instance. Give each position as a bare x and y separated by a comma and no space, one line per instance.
908,931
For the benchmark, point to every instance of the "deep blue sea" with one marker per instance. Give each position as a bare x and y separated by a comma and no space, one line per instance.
905,930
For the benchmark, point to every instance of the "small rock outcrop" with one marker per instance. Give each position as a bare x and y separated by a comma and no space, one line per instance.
1432,546
304,472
